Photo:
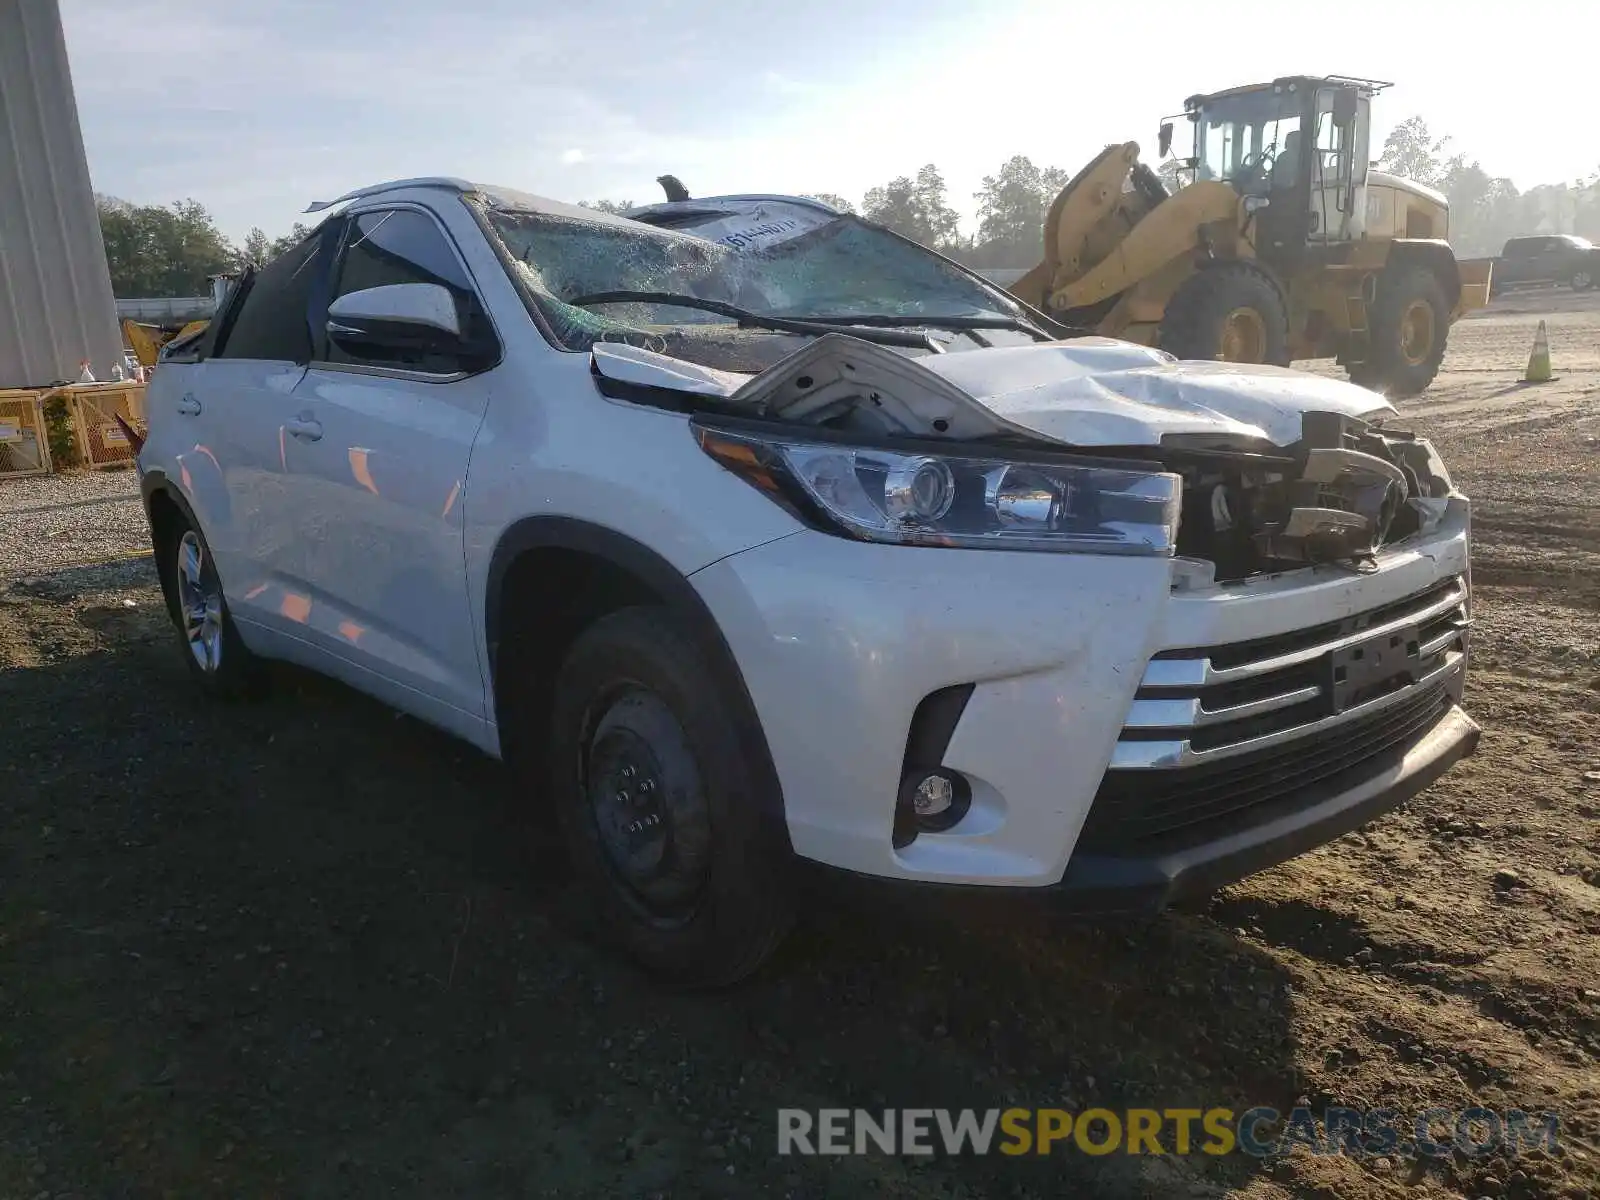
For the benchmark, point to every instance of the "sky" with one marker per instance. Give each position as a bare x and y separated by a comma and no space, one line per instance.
257,107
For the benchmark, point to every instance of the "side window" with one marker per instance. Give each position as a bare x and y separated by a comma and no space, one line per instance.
270,322
406,246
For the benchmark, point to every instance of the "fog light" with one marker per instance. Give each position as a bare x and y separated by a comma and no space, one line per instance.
932,800
933,796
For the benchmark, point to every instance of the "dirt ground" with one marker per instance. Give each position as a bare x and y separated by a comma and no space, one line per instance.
297,949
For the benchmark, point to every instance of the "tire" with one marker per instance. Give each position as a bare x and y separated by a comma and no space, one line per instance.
1402,358
216,656
658,800
1233,311
1583,279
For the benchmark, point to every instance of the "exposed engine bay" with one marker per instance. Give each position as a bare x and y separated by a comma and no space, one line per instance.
1279,469
1341,493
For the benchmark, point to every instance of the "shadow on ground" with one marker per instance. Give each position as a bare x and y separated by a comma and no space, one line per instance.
298,947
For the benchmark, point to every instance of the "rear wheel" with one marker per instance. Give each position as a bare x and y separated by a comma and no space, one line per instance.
1407,324
216,657
1232,312
659,802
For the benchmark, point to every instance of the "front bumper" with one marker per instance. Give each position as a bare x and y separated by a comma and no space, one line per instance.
1077,666
1110,883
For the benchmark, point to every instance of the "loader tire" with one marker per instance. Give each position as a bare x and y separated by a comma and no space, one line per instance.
1408,324
1233,312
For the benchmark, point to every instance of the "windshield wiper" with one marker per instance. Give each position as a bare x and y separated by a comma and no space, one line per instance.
754,320
891,321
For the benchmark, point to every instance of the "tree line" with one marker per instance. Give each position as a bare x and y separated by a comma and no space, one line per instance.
156,250
1485,210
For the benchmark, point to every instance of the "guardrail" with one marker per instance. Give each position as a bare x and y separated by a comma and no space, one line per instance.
167,309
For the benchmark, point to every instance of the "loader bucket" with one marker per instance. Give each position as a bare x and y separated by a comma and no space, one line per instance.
1474,287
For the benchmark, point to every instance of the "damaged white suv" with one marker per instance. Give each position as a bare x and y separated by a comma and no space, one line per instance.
746,530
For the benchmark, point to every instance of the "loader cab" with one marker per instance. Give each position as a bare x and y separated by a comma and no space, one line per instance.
1297,150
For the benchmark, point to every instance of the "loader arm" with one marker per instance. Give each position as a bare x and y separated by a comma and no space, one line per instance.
1091,196
1172,229
1102,237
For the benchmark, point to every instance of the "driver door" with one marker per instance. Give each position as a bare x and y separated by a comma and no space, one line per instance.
379,450
1338,210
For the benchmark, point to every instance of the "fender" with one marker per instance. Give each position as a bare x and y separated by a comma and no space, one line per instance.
1434,254
572,533
675,591
155,480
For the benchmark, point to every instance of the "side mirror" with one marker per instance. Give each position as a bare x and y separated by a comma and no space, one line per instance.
397,316
1164,141
1345,102
397,322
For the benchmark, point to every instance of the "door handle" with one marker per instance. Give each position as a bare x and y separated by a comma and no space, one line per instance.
304,428
188,406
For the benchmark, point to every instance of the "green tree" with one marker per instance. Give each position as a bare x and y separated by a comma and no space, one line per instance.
1411,152
162,251
1484,210
1011,210
256,249
831,199
298,233
916,208
1586,220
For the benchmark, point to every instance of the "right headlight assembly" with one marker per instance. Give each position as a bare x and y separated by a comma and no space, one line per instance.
936,499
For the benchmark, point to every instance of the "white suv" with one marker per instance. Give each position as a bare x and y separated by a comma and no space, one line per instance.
747,530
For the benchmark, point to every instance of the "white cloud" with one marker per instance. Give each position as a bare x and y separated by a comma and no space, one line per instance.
573,156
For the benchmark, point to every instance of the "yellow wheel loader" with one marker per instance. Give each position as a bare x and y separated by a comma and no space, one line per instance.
146,340
1283,245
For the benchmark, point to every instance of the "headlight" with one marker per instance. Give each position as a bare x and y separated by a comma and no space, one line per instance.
944,500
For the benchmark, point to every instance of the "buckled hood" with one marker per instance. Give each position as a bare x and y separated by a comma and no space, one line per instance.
1089,391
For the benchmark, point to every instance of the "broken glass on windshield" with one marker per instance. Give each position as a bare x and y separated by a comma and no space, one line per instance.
843,268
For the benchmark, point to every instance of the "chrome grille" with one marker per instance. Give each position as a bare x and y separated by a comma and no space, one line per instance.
1240,732
1206,704
1155,810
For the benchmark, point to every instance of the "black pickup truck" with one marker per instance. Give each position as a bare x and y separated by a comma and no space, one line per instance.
1547,258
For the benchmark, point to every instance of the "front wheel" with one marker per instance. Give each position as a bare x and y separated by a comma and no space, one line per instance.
1582,279
1233,312
1407,326
660,800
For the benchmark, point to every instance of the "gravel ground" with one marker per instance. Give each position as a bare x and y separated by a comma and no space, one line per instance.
299,948
53,521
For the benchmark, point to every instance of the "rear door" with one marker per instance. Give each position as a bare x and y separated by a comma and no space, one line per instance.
378,456
235,402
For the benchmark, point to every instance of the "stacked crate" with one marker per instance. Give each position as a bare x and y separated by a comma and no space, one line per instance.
24,444
95,409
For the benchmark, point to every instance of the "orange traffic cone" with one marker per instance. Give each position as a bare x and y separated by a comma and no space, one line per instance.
1539,361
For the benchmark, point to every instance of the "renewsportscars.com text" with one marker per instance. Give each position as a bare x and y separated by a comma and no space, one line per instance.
1260,1132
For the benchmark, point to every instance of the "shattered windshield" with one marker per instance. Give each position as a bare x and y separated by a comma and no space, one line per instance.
842,268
